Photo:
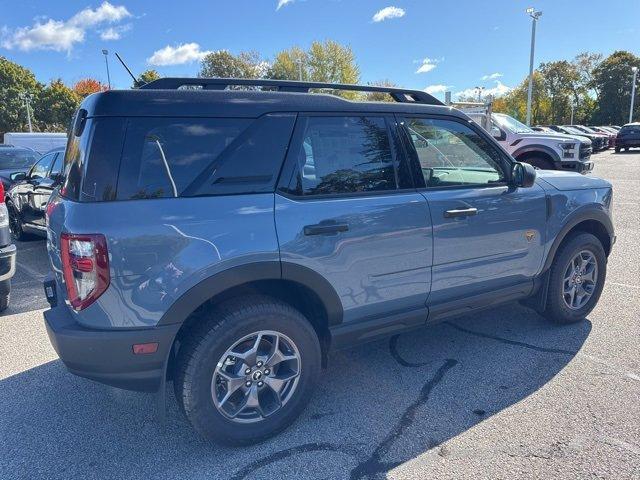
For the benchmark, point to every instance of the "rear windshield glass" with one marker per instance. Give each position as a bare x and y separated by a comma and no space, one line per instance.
17,159
171,157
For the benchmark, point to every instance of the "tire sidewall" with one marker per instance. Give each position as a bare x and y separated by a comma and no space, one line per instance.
541,163
557,306
198,403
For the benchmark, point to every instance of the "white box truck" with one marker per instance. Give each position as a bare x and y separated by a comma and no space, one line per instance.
39,141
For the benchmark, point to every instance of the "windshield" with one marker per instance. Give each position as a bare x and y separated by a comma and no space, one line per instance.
572,130
510,123
17,159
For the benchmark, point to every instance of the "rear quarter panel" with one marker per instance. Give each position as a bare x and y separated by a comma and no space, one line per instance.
160,248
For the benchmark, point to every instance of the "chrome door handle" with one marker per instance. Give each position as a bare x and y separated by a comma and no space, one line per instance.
462,212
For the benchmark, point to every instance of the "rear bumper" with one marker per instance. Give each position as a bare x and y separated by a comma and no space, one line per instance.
106,356
7,262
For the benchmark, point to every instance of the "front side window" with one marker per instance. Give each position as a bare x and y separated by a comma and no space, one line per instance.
451,153
41,169
343,155
510,123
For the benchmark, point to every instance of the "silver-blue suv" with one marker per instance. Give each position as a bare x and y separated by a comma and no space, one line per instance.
228,234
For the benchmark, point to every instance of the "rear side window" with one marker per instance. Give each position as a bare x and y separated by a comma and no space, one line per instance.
343,155
171,157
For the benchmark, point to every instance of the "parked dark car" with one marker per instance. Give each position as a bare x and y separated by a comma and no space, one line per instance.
610,135
15,159
628,137
597,141
590,131
27,198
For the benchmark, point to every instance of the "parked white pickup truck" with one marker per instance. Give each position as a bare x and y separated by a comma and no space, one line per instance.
40,142
547,151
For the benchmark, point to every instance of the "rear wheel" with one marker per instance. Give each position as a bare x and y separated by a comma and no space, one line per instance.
576,279
15,224
541,163
248,371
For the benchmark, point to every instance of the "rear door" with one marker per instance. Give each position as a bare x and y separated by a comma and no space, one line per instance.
346,209
42,191
488,235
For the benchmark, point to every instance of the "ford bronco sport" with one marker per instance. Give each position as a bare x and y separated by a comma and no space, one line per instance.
229,239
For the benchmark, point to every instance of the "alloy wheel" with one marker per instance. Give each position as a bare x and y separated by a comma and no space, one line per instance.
580,280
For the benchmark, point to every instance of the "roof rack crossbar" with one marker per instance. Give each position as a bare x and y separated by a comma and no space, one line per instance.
398,94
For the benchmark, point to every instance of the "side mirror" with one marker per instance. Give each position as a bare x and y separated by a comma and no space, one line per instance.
523,175
17,176
497,133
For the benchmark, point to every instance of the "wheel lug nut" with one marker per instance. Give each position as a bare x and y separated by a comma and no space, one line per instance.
259,364
247,371
260,384
267,371
248,384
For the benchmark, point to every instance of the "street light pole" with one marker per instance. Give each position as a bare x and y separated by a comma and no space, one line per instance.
479,90
106,62
299,62
633,92
534,16
573,105
26,97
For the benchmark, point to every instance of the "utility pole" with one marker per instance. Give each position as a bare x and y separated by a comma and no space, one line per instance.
633,92
534,16
106,62
26,97
299,62
573,105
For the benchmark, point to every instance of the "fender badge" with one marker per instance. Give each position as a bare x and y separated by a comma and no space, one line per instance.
530,235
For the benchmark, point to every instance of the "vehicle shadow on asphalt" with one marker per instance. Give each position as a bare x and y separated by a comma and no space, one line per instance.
377,406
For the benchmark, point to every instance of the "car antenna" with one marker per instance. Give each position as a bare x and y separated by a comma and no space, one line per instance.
136,83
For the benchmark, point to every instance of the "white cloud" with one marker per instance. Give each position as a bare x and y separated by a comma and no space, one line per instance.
439,88
386,13
184,53
59,35
283,3
114,33
499,90
427,65
491,76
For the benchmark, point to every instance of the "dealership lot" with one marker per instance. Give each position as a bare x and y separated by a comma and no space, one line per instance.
500,395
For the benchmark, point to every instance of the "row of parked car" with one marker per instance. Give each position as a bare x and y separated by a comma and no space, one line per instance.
601,137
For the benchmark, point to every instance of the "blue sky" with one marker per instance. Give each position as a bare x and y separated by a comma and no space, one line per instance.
415,43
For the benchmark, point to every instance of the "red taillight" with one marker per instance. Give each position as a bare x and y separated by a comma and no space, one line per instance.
85,266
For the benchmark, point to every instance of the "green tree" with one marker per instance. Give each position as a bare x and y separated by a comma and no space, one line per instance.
515,102
560,80
612,79
224,64
291,64
148,76
55,106
380,96
15,80
585,63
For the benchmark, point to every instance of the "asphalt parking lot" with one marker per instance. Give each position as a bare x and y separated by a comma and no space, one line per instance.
502,394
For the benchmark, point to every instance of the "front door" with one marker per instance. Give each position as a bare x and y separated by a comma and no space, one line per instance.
488,235
347,210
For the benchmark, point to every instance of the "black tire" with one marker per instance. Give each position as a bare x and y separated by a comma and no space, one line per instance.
556,308
205,344
4,302
617,149
541,163
15,225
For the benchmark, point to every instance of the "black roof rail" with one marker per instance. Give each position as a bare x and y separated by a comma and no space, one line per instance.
398,94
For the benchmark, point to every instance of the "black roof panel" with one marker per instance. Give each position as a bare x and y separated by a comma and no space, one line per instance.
237,103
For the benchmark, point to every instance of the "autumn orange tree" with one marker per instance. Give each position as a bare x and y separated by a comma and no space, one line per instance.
87,86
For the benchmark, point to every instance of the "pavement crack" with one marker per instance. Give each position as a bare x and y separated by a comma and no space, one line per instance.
512,342
374,465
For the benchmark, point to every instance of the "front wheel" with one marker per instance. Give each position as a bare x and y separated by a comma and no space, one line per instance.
15,224
247,372
576,279
541,163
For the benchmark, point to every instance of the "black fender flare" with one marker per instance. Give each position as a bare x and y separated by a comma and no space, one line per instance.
537,148
211,286
594,212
